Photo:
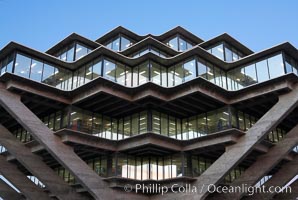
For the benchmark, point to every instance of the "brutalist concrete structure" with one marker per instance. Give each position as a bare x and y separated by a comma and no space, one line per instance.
94,119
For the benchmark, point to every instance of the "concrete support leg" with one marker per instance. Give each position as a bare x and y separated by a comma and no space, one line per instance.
7,192
281,178
37,167
64,154
264,163
21,182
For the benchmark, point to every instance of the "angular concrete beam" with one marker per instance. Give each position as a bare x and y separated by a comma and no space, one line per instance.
37,167
266,162
64,154
21,182
7,192
280,178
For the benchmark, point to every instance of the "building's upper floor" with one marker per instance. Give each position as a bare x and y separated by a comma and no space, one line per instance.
168,60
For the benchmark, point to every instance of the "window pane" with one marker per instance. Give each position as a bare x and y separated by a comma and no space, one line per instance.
10,60
128,80
22,66
210,73
96,69
109,70
80,51
127,127
155,122
116,44
202,69
48,74
135,76
218,51
178,74
143,122
120,74
143,73
88,73
182,45
262,71
173,43
251,76
155,73
171,73
164,77
70,53
189,70
164,124
172,127
228,54
36,70
125,43
135,124
276,66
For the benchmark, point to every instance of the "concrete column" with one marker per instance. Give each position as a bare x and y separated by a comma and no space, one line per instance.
236,153
21,182
64,154
37,167
7,192
280,178
265,163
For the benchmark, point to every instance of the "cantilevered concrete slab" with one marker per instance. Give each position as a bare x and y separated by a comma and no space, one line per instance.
21,182
7,192
265,163
61,152
37,167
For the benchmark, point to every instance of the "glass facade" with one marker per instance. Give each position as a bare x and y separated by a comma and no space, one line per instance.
149,71
119,43
179,43
73,52
225,52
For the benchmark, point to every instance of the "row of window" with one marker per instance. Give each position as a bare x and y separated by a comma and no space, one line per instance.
235,79
119,43
73,52
225,52
178,43
150,121
149,167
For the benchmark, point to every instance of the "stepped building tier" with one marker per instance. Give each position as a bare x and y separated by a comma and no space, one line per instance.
126,116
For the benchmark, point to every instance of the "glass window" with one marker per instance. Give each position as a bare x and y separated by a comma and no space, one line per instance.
250,75
210,73
70,53
135,76
128,80
171,73
164,124
202,68
182,44
143,73
22,66
228,53
289,64
178,74
189,70
125,43
120,129
107,128
276,66
173,43
143,122
9,65
262,71
202,125
212,121
48,76
145,169
116,44
164,75
135,124
3,67
80,51
120,74
127,127
176,166
155,73
153,168
96,69
109,70
172,127
218,51
36,70
192,128
185,129
88,73
155,122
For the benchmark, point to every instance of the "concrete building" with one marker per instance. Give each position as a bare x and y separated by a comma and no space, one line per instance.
91,119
